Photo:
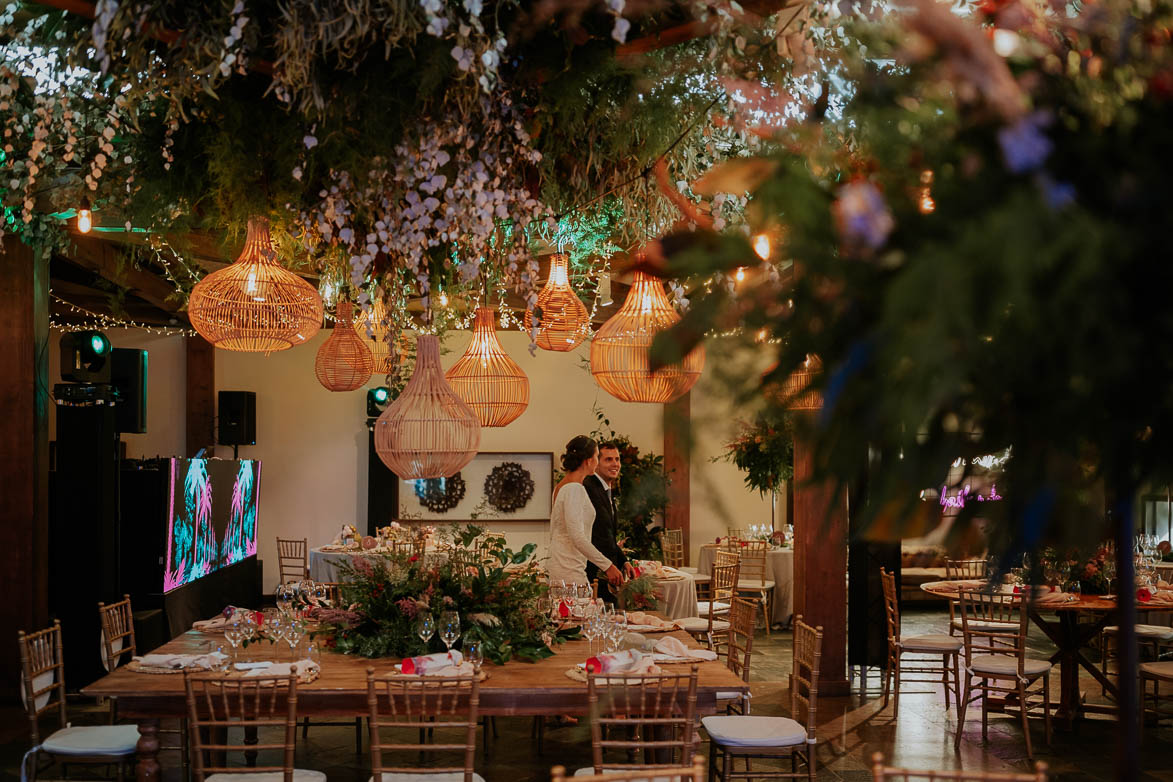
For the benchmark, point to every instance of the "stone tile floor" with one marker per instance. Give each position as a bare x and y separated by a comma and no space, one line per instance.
851,729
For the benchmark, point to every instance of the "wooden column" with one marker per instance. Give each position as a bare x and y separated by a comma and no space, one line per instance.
201,395
24,451
820,567
677,453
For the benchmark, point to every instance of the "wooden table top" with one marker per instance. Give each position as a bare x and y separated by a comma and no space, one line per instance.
517,688
1091,603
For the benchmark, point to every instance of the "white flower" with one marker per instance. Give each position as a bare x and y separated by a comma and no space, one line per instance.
297,172
463,57
616,5
619,32
310,142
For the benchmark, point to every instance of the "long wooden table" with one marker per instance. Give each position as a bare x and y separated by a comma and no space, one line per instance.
514,689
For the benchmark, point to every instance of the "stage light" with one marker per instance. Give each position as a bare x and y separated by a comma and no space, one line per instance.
99,344
377,399
85,357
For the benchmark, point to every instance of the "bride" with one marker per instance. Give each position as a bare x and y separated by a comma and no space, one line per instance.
572,517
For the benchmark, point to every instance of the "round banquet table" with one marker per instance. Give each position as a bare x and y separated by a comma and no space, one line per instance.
779,569
677,595
324,560
1069,635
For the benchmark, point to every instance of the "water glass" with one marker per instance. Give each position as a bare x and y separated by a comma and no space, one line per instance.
425,628
449,628
233,634
474,653
293,634
285,594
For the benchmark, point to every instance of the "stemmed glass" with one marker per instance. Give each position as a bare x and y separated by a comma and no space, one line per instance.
233,635
449,629
425,628
591,629
319,595
474,653
284,594
293,634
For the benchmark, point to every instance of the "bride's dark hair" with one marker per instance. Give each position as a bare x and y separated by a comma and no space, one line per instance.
578,451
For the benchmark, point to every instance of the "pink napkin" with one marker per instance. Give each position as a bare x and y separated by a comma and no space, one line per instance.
631,661
432,664
674,647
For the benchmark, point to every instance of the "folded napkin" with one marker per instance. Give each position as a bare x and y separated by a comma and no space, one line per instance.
631,661
263,669
213,625
180,661
431,664
674,647
642,619
1049,598
1155,597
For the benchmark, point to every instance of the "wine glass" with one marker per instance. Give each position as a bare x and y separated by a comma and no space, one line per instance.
590,629
425,628
233,635
319,594
474,652
449,629
293,634
284,595
305,589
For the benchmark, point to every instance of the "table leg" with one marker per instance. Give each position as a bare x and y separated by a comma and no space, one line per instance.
147,769
1069,640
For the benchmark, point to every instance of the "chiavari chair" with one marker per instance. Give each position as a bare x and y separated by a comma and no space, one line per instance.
42,680
672,547
1156,673
119,648
650,714
947,647
734,534
292,559
963,570
744,736
693,773
435,706
707,625
220,707
994,629
882,773
753,575
738,652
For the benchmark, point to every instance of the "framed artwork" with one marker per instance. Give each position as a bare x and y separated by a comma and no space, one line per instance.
494,486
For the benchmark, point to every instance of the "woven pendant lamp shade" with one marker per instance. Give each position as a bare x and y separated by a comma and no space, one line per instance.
428,432
794,389
255,305
564,321
485,377
344,361
619,351
375,319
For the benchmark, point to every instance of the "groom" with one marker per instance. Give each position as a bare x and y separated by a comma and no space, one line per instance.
604,535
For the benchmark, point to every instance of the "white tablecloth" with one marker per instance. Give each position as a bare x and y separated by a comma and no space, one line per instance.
678,596
779,569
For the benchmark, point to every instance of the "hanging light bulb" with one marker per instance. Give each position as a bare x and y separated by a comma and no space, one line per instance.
761,246
85,218
443,298
925,203
739,275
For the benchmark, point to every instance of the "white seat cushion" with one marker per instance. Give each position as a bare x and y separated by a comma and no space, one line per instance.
702,608
1149,632
745,731
695,624
730,695
448,776
690,570
590,770
1157,670
932,643
754,584
299,775
93,740
988,627
1005,665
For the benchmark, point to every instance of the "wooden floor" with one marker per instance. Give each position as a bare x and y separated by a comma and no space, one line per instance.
851,729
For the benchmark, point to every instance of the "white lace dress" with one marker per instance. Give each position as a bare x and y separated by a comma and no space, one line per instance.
570,536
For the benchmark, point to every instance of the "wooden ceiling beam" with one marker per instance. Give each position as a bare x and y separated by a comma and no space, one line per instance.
104,259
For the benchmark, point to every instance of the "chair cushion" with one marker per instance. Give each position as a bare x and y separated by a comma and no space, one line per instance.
695,624
988,627
1157,670
690,570
702,608
933,643
93,740
739,730
590,770
1005,665
1150,632
754,584
731,695
299,775
447,776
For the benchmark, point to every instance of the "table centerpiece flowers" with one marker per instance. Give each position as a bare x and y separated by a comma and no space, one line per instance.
496,591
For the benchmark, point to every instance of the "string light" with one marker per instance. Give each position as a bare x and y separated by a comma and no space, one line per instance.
761,246
739,275
925,203
85,218
100,322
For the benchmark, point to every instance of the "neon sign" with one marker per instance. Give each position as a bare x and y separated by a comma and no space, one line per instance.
959,500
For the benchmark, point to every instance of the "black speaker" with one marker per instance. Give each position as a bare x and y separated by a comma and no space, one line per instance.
238,417
128,373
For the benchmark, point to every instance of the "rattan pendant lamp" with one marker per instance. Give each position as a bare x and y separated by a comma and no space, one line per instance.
255,305
564,323
429,431
619,351
485,377
374,321
344,361
795,388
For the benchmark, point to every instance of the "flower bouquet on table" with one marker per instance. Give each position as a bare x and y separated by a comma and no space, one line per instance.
641,592
387,591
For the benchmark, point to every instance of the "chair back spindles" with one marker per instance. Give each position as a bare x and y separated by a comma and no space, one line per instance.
743,616
966,569
882,773
694,773
993,624
753,560
726,557
118,644
653,713
42,676
406,704
672,546
216,703
292,559
891,604
804,688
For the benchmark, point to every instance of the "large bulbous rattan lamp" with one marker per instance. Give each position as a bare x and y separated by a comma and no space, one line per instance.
795,389
344,361
429,431
485,377
255,305
373,321
619,351
564,322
